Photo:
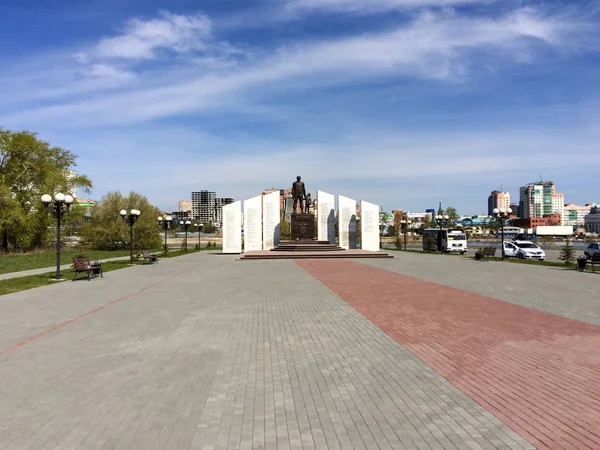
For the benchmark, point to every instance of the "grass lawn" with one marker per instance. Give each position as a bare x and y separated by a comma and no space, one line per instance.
28,261
33,281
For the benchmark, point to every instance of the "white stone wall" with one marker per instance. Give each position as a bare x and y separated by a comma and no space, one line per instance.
326,217
232,228
347,222
253,224
369,226
271,220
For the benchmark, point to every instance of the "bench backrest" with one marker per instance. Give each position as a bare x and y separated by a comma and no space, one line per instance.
595,257
81,263
490,251
146,253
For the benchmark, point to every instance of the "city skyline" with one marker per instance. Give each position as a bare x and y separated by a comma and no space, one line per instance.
396,102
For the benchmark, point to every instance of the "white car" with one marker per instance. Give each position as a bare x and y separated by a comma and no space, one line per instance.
524,250
592,249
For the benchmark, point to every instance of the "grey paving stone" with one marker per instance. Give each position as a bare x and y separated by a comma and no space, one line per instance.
205,352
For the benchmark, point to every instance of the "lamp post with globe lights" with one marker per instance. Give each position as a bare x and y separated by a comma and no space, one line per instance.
60,206
165,223
405,223
186,226
130,219
199,226
441,220
501,215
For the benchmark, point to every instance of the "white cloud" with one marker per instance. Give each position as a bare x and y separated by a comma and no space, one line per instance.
357,163
143,39
433,46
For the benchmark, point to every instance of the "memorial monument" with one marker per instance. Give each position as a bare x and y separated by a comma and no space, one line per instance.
302,223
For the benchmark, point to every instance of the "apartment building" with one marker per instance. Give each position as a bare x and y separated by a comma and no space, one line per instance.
497,199
538,200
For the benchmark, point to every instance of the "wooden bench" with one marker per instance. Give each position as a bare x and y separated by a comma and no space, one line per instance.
485,252
83,265
151,257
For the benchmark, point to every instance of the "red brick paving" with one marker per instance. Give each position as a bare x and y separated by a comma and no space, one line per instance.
537,372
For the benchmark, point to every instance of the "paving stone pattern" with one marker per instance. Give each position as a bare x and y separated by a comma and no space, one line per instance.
537,372
204,352
567,293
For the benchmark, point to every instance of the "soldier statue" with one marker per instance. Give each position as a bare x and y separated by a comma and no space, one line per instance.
298,194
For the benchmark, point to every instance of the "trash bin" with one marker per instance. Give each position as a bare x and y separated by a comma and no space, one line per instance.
581,263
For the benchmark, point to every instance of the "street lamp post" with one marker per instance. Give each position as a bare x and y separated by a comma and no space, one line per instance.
199,226
441,220
501,215
405,224
130,219
165,223
186,226
61,206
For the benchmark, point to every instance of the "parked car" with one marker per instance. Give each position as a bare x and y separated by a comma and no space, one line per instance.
523,250
592,249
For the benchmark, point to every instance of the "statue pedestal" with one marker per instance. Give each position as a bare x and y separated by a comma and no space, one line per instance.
303,227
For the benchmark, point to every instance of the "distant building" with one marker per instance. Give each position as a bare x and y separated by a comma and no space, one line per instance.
592,220
283,194
539,200
219,203
185,205
532,222
182,215
574,215
203,206
500,200
207,207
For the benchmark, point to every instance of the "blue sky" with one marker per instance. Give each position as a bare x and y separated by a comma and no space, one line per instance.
403,103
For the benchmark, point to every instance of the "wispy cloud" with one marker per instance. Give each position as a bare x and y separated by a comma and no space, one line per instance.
292,7
437,46
144,39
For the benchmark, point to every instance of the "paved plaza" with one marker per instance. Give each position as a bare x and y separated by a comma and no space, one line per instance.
206,352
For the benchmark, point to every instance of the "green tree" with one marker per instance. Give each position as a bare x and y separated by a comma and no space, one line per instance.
108,231
567,253
452,214
208,228
29,168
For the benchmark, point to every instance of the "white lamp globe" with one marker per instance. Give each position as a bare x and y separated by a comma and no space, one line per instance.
59,197
160,219
169,219
123,213
446,217
509,210
187,222
502,210
69,199
496,211
46,198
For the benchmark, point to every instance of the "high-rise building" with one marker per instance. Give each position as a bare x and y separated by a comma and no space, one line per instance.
203,206
497,199
207,207
538,200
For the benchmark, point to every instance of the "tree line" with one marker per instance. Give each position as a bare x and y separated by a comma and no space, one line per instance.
31,167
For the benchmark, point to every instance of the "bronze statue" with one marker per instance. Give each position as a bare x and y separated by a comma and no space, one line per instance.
299,194
307,204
